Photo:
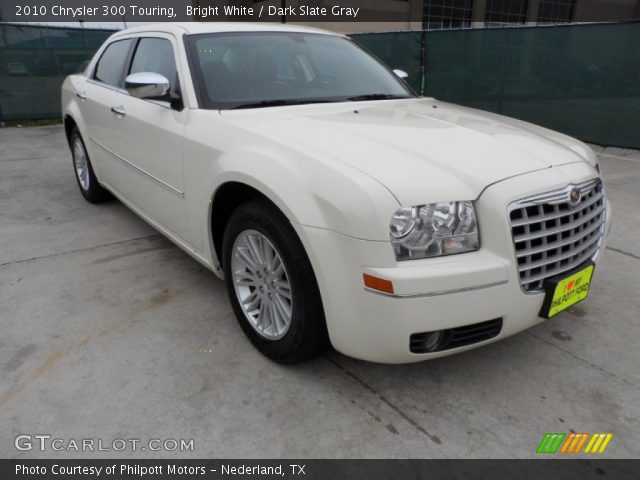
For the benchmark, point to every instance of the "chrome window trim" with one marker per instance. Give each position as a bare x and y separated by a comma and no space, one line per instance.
106,85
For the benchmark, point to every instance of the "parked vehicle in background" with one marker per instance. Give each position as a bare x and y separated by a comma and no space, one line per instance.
337,205
17,68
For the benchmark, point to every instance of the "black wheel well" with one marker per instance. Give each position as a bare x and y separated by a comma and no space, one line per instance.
226,199
69,125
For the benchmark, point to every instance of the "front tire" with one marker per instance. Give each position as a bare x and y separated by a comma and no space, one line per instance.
91,190
271,284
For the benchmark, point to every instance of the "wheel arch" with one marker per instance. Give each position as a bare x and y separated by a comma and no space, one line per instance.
231,193
325,197
69,125
224,200
71,112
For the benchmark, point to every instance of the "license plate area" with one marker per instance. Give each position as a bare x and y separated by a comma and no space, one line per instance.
566,290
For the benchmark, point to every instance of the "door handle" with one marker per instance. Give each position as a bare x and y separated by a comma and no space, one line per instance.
82,96
118,111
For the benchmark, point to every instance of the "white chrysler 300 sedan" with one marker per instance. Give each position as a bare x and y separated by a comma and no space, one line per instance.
337,205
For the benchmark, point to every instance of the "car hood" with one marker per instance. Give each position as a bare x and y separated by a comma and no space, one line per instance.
421,150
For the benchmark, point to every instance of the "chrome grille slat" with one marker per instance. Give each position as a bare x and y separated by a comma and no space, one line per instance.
551,236
546,261
544,248
566,268
558,196
562,228
555,215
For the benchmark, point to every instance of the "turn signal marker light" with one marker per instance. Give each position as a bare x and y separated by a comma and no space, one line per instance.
379,284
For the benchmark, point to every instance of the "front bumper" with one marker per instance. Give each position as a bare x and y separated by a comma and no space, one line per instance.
430,294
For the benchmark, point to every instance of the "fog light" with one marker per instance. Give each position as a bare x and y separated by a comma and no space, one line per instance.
432,341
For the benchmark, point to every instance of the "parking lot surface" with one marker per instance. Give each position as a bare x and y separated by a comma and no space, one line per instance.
110,331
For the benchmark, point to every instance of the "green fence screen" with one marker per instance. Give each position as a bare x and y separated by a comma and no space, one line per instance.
401,50
33,63
582,80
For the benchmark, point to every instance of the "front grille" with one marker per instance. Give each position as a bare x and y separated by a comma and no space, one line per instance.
457,337
552,235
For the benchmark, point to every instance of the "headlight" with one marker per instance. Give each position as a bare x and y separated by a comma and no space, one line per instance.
434,229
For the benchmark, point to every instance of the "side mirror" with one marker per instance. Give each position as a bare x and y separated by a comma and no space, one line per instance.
147,85
401,73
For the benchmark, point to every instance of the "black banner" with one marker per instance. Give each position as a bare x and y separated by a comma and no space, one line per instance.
209,10
409,12
577,469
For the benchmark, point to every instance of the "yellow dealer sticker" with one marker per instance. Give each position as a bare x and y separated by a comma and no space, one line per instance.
568,291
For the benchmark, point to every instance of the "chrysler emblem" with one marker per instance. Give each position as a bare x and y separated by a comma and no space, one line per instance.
574,196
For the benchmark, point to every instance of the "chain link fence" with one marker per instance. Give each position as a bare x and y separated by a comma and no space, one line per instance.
582,80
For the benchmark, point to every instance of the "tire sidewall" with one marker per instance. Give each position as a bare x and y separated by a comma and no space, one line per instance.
75,138
95,193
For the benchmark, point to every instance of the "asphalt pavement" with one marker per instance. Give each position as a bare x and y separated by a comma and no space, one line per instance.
110,332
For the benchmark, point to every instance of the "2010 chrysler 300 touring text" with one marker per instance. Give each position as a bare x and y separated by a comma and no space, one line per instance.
337,205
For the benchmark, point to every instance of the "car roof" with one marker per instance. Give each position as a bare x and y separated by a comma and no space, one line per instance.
180,28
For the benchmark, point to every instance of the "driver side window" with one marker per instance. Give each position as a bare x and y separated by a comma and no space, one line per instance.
155,55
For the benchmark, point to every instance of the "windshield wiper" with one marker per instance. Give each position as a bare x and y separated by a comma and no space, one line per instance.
278,103
303,101
376,96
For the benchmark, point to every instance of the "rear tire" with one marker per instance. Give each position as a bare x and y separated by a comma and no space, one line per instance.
271,284
91,190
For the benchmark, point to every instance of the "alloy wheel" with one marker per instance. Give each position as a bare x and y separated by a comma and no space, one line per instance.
80,163
262,284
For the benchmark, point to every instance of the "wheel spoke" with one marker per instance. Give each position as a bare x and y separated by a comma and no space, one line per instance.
283,288
256,319
284,306
268,317
244,277
278,323
252,302
271,325
261,249
284,312
268,253
254,248
278,268
277,318
242,253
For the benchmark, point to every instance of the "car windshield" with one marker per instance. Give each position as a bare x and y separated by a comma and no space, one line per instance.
260,69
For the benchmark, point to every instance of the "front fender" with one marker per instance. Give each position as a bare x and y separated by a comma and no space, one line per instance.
311,190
